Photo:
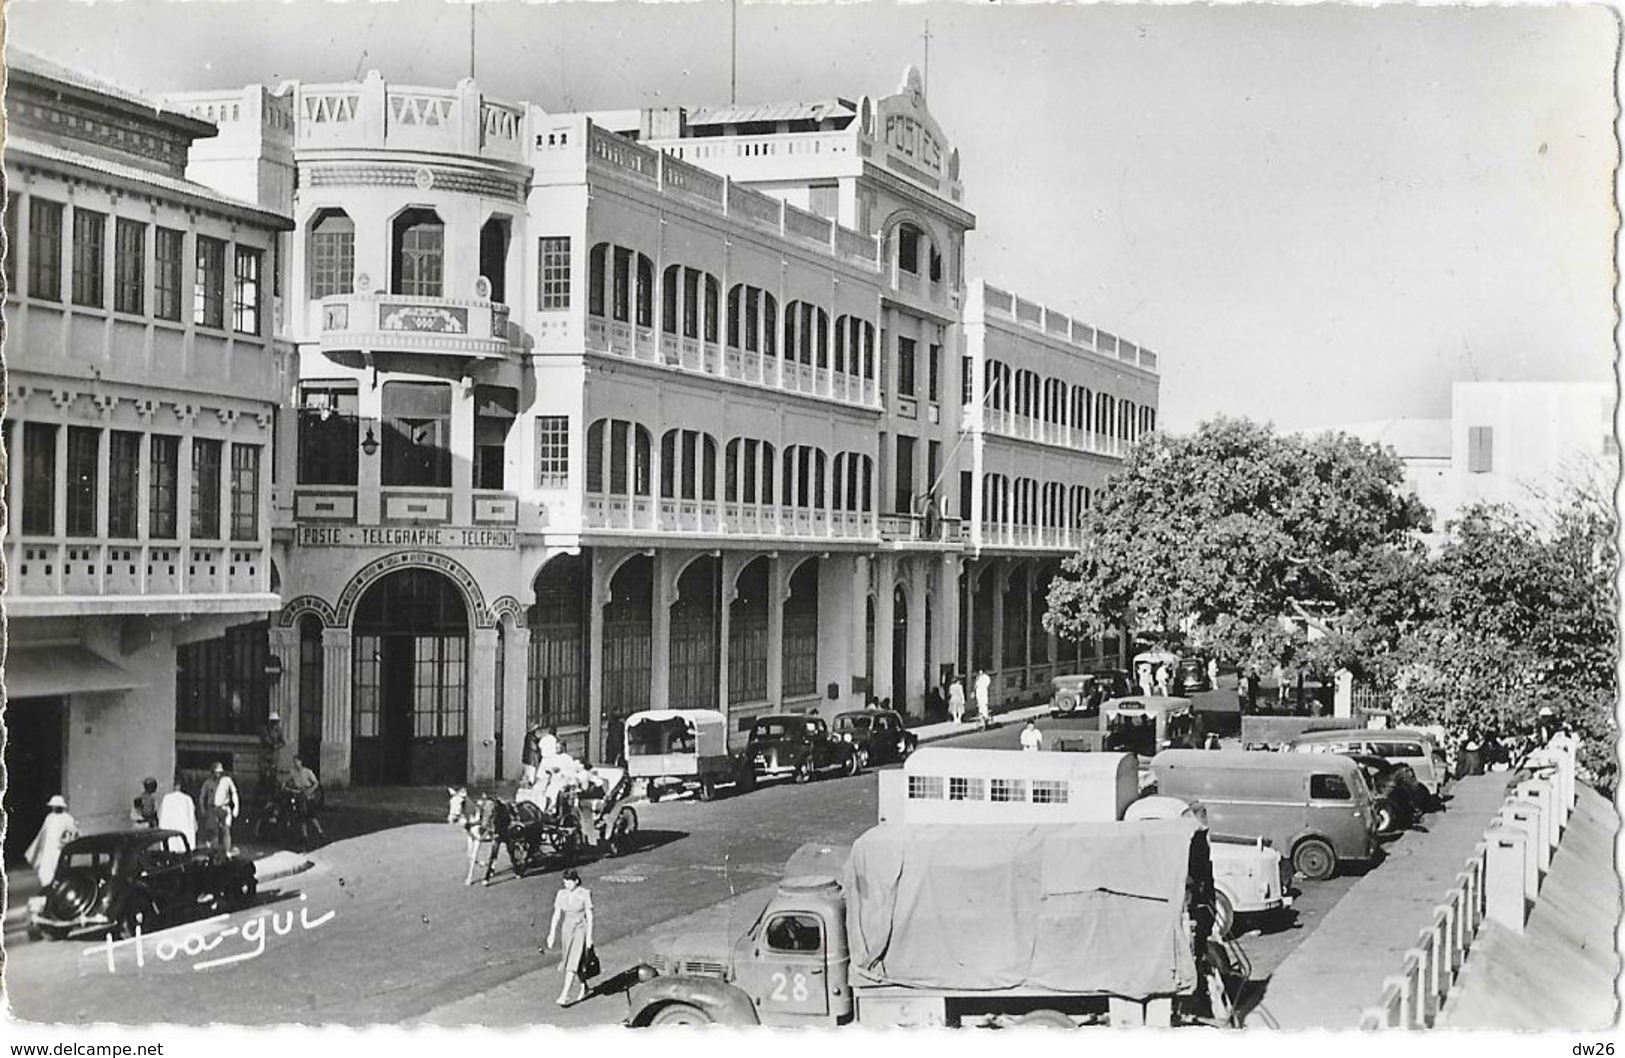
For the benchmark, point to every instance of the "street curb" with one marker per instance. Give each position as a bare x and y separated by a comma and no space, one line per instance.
281,872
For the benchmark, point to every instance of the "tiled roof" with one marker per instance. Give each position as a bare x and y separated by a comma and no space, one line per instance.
817,110
48,152
17,59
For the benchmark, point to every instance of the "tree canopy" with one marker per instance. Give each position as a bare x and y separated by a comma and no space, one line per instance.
1520,616
1243,539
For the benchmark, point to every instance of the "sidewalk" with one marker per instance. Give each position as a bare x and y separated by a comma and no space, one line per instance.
1339,970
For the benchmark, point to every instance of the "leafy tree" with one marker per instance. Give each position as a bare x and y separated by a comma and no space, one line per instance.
1244,539
1522,616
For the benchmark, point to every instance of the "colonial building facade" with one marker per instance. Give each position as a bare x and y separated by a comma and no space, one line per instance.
602,412
143,382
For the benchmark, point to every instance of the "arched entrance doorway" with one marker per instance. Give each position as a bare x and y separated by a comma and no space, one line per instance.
695,632
627,654
410,687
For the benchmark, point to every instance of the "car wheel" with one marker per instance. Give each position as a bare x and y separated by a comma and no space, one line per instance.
680,1014
863,758
1383,814
1224,915
854,764
1314,859
139,914
803,773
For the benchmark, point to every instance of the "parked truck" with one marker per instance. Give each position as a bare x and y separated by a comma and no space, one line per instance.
984,924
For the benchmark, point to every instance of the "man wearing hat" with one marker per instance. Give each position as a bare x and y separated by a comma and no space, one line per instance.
144,810
177,812
58,829
224,804
272,741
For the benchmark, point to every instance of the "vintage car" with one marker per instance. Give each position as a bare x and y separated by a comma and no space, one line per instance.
137,880
877,734
1190,676
798,747
1400,799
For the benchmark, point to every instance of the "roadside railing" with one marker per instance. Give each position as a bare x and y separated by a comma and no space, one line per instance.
1500,881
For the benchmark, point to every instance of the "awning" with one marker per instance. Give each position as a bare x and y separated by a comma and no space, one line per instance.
37,672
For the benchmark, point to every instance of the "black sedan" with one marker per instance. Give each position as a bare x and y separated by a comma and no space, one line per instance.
798,747
1190,676
877,734
137,880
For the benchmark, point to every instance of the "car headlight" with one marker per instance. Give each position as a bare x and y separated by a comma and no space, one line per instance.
847,737
646,972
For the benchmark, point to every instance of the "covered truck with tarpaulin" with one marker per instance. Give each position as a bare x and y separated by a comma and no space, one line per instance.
671,749
982,924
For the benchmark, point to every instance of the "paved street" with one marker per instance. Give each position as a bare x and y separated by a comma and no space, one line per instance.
404,941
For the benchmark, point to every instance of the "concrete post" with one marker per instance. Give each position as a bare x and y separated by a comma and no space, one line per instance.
516,685
1526,815
284,644
336,674
664,595
1543,793
1505,886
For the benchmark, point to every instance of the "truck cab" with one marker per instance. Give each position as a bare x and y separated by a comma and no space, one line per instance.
789,968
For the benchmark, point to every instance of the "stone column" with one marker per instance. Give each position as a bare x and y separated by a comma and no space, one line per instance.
336,677
482,705
1001,573
662,599
775,631
516,684
885,613
914,681
595,657
285,691
946,616
727,570
973,570
858,640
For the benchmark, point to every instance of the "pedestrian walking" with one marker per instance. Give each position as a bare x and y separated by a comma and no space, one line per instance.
956,700
1032,739
225,804
572,909
984,690
532,753
208,829
45,850
144,809
272,742
177,812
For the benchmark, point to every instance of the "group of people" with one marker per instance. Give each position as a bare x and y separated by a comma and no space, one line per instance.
550,772
981,705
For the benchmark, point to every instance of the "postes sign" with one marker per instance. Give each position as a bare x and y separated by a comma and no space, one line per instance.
406,536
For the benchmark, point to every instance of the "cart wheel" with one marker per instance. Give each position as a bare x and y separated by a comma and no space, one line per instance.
621,832
803,773
708,790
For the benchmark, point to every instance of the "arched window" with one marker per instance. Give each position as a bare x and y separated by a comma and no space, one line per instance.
1125,419
688,465
622,448
418,241
1105,406
752,320
806,333
909,238
331,259
1080,408
688,302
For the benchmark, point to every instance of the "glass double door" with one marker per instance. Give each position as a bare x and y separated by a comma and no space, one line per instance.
410,709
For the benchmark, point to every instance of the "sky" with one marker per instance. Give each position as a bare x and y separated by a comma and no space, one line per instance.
1314,214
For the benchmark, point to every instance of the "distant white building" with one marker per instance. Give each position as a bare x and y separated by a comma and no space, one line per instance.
1513,443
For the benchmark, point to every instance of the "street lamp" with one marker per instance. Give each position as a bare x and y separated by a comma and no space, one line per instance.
369,444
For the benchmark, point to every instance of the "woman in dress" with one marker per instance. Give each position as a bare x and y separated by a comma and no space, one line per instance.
572,907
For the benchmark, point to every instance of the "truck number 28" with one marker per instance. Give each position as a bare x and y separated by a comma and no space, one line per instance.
789,987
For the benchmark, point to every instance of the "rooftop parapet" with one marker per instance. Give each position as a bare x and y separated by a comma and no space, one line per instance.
566,146
988,300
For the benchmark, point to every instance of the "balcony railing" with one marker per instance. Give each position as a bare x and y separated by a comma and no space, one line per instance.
644,514
1007,424
411,324
47,569
1047,538
618,338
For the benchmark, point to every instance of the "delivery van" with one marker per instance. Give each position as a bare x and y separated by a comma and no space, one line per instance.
1314,808
1418,749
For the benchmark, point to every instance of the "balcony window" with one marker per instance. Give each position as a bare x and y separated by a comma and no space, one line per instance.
332,254
595,279
553,283
166,280
39,478
419,247
688,465
45,249
209,286
495,409
129,266
206,468
329,434
905,367
905,475
123,483
933,382
164,467
552,451
84,448
417,434
629,455
908,248
89,252
245,291
245,492
494,257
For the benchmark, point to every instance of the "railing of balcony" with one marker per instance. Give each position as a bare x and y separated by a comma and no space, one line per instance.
1002,303
605,511
47,568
